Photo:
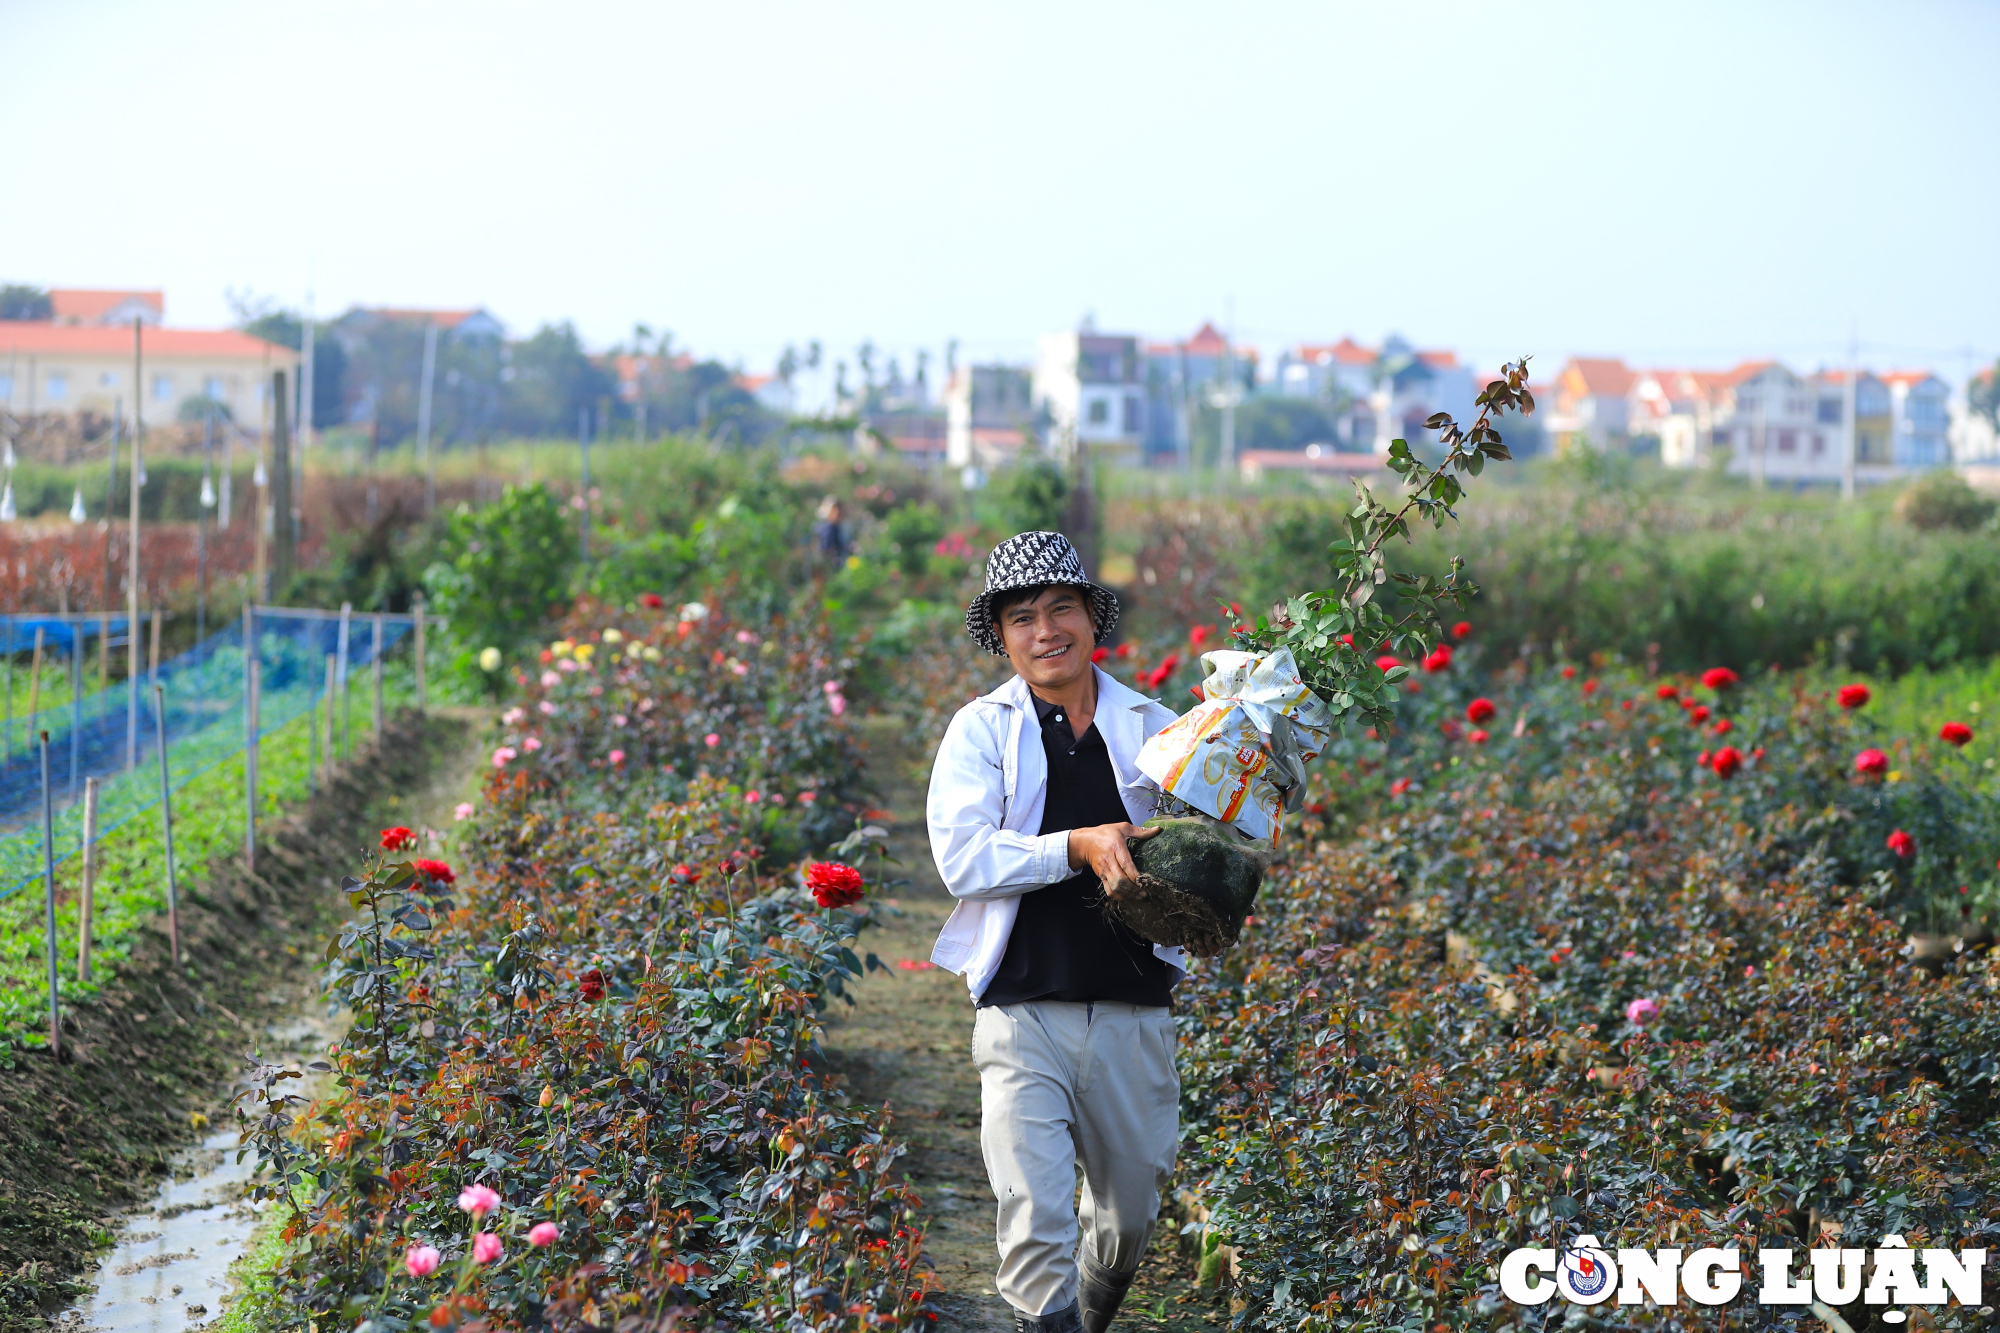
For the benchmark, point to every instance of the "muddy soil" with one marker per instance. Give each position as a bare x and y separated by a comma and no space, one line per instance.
907,1043
148,1064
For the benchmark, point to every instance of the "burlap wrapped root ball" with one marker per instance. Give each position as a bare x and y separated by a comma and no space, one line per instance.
1197,881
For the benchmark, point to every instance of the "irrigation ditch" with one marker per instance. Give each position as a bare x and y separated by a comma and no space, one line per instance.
147,1064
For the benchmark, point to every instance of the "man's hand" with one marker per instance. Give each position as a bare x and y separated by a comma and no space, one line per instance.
1103,849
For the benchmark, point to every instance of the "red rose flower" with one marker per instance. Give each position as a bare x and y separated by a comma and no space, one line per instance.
1589,688
1462,629
1854,696
1701,760
1399,786
833,884
1698,714
1901,843
1452,731
1719,678
438,871
652,601
1569,673
1479,710
1726,761
1667,692
1123,650
591,985
1477,736
1871,763
1439,658
1625,704
1723,726
1955,733
398,839
1387,662
729,864
1099,654
682,874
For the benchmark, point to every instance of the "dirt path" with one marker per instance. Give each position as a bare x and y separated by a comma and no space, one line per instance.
907,1041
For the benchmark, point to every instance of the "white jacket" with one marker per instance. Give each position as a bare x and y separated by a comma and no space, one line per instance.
987,788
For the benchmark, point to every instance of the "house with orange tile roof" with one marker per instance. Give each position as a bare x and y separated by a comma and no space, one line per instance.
1381,393
1589,407
1181,377
97,308
69,369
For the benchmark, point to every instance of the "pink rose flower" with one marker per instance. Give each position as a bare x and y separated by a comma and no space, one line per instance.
486,1248
502,755
532,744
752,797
807,797
837,702
550,680
1641,1012
512,717
711,740
478,1200
543,1234
463,811
548,709
617,756
421,1260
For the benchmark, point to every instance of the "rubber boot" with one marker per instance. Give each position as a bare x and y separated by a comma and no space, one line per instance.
1100,1292
1065,1320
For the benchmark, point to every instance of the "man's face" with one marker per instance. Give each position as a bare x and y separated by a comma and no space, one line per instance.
1048,638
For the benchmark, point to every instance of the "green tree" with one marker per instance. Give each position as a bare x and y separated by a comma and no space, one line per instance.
549,380
1031,496
1942,499
287,328
22,302
504,568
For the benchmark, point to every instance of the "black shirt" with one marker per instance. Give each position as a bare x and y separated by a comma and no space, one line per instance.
1062,946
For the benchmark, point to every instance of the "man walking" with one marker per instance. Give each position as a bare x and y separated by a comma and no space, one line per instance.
1032,797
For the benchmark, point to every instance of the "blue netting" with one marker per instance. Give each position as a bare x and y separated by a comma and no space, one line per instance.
111,734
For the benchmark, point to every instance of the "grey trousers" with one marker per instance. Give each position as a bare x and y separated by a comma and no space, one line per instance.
1064,1086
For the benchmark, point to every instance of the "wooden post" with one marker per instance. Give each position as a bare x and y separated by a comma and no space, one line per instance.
104,650
281,491
167,819
49,896
132,565
35,678
331,753
377,666
423,698
75,703
250,736
346,619
312,746
153,666
86,901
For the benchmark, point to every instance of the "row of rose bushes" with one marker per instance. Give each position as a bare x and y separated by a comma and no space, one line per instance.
582,1086
1535,970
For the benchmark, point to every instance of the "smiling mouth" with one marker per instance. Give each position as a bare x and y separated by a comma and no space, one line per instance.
1053,652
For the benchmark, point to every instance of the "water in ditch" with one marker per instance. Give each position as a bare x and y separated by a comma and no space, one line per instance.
168,1270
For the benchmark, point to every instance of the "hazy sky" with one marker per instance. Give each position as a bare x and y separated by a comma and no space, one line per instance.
1674,182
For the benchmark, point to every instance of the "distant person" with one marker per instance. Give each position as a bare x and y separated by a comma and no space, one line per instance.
829,534
1033,795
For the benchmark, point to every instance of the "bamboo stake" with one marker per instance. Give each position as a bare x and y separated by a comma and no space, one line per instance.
423,698
86,903
250,736
49,895
330,756
35,677
376,665
167,819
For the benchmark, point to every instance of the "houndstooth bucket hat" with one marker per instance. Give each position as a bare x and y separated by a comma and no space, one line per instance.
1032,560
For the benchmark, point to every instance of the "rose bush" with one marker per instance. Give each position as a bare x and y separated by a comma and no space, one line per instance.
580,1088
1571,981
